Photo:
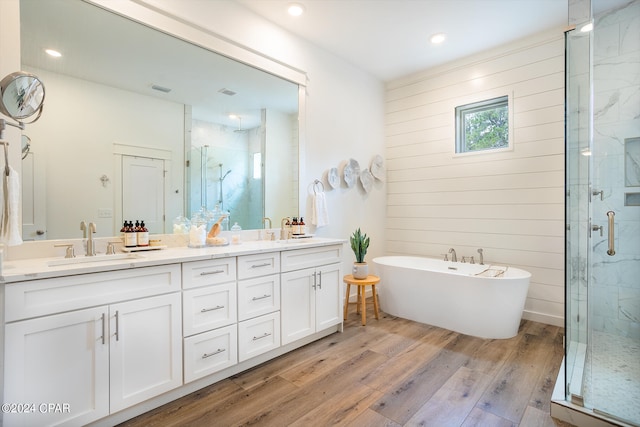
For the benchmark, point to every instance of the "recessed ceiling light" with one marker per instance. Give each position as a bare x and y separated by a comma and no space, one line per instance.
295,9
53,53
437,38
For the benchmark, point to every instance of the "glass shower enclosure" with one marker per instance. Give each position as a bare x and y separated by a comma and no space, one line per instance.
602,346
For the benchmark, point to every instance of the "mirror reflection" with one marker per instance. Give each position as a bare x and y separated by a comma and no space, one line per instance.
140,125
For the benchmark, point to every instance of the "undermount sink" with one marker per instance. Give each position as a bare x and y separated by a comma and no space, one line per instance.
97,258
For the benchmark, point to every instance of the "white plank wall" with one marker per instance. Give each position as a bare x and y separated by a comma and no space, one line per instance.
510,203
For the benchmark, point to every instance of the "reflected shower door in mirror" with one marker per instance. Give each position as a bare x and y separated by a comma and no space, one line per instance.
122,90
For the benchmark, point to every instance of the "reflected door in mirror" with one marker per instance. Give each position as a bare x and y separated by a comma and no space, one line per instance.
143,191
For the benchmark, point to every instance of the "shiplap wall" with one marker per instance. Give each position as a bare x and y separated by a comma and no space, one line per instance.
510,203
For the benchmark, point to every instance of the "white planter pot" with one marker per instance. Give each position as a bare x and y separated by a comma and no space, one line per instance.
360,270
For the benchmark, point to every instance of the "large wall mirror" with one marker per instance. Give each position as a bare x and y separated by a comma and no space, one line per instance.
140,125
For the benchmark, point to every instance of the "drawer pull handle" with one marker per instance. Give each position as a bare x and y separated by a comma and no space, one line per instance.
104,327
266,334
204,310
117,334
266,264
206,273
218,351
259,298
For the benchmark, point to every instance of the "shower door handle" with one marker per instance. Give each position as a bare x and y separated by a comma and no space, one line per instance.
611,235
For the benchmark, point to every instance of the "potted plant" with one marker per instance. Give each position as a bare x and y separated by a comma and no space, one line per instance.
359,245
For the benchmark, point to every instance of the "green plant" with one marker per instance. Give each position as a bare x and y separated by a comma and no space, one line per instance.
359,244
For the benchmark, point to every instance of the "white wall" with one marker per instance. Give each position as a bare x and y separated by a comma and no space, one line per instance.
511,204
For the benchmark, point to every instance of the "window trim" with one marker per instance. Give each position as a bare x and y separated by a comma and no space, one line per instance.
482,104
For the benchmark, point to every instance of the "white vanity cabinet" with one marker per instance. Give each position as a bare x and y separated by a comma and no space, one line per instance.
311,299
97,360
99,346
258,304
209,297
144,351
58,359
209,316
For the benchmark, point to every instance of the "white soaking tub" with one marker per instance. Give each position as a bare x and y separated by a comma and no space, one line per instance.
481,300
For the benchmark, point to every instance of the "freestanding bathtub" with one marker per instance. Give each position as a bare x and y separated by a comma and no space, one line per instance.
481,300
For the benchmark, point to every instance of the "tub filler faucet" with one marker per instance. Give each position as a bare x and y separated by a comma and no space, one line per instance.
481,256
454,257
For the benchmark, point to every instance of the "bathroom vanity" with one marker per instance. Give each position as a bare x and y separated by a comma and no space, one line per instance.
105,340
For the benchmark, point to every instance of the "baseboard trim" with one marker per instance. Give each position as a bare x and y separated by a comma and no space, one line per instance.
543,318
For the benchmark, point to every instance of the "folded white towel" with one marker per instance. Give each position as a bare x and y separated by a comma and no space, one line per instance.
319,213
10,233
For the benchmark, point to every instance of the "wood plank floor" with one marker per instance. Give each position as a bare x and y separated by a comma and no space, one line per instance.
392,372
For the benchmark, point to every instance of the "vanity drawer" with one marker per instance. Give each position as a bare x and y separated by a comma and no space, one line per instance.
258,265
210,352
208,272
208,308
298,259
48,296
258,335
258,296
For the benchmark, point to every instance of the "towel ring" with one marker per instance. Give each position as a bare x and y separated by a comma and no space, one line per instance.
315,186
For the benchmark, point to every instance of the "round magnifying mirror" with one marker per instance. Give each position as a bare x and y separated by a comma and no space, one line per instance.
21,96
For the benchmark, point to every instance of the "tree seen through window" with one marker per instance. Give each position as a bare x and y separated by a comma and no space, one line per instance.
483,125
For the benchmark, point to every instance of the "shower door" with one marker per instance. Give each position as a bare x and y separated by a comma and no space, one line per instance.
577,201
603,212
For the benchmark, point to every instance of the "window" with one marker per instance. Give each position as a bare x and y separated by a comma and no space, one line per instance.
257,165
482,125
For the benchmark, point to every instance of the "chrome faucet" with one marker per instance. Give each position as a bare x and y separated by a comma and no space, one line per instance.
454,257
87,232
481,257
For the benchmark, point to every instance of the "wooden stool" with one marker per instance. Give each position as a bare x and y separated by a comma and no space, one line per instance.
371,280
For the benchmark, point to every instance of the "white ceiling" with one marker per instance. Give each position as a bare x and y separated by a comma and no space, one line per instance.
389,38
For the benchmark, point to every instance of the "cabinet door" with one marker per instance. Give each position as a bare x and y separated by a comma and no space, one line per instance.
60,359
298,310
145,349
328,296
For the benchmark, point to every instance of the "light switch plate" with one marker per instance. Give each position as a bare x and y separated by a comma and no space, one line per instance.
105,213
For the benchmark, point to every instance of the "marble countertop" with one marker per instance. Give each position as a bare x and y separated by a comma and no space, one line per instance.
42,268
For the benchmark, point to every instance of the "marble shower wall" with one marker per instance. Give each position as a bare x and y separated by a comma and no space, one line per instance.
616,79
